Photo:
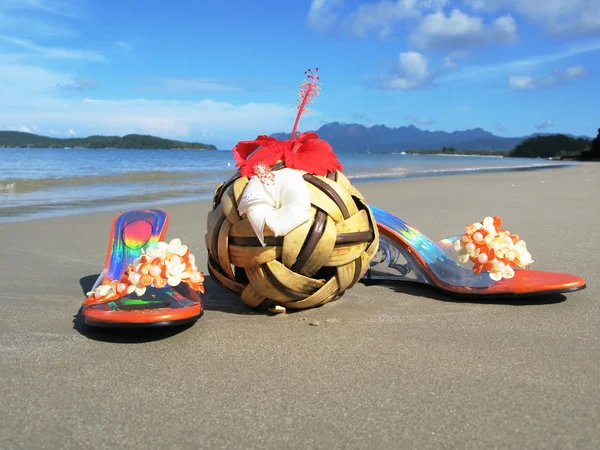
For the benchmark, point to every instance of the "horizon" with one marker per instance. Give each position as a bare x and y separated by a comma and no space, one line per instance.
70,68
591,137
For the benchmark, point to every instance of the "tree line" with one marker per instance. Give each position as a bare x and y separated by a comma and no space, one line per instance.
559,146
17,139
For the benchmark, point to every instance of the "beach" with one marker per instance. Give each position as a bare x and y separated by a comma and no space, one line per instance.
384,366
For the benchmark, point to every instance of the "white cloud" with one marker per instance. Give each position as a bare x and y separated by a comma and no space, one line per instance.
30,96
450,63
522,82
380,16
459,30
526,82
555,16
38,18
20,81
71,132
183,85
575,72
436,29
450,60
174,119
64,8
19,127
518,64
545,124
500,127
321,14
412,72
52,52
33,26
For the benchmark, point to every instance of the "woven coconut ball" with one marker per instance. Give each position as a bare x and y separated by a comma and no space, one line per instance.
310,266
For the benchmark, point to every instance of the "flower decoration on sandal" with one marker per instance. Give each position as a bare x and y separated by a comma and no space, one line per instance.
280,200
492,249
167,264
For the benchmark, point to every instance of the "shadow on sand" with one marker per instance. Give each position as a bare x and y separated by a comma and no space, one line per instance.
424,290
123,335
215,298
218,299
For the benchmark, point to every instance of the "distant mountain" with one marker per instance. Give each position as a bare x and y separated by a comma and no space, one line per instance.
134,141
380,138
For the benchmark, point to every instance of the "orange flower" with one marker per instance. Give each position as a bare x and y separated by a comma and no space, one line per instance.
492,249
151,271
170,264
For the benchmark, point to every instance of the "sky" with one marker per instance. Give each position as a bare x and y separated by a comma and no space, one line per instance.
221,71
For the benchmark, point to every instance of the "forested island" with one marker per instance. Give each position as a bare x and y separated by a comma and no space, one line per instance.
18,139
554,146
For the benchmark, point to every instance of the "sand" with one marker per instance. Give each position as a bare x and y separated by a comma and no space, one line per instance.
387,366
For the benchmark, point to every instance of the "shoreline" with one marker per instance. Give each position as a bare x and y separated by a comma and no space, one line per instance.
207,196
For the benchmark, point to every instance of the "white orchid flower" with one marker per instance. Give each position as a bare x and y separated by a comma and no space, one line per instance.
136,285
175,270
501,270
280,201
176,248
522,252
103,290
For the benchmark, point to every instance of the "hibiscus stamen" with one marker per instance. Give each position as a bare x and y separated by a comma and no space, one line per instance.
306,95
264,173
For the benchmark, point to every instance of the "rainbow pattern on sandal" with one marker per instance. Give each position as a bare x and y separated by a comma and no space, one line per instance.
116,301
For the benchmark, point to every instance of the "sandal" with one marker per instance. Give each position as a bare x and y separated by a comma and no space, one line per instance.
146,282
486,261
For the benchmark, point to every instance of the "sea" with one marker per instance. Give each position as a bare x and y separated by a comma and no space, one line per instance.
39,183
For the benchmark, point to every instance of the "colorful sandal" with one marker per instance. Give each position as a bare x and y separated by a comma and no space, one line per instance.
486,261
146,282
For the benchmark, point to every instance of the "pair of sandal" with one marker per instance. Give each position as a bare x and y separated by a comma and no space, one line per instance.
149,282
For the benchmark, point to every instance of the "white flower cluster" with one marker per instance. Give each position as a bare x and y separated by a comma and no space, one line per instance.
492,249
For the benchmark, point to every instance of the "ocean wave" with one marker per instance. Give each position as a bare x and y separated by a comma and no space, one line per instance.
377,174
423,172
30,185
70,205
483,169
8,187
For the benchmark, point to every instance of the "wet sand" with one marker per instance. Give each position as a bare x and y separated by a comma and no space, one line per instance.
387,366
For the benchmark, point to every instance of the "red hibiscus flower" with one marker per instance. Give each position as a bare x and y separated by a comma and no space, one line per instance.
305,152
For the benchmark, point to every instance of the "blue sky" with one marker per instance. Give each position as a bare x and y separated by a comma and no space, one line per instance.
223,71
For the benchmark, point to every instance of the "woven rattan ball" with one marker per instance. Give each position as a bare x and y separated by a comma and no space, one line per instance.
310,266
